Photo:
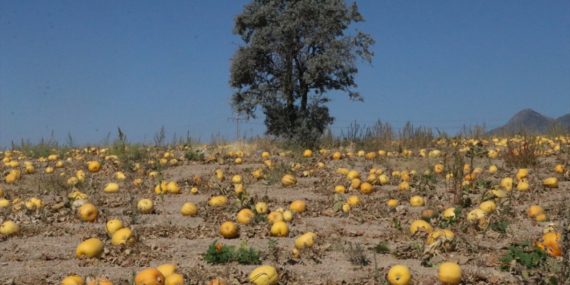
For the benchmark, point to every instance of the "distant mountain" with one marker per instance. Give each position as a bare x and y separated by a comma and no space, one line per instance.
564,120
529,121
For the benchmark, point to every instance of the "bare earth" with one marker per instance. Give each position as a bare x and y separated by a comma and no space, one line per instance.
44,250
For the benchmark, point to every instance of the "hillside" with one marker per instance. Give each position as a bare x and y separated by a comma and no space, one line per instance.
531,122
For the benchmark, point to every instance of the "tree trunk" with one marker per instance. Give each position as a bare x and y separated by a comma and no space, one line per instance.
289,91
303,86
304,96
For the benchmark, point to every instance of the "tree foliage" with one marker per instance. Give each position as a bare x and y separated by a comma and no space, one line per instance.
294,52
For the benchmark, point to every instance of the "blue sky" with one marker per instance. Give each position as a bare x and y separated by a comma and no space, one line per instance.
87,67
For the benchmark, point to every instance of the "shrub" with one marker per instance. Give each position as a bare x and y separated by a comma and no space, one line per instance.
219,253
521,154
524,254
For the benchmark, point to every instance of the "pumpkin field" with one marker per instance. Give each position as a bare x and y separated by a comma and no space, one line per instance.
454,211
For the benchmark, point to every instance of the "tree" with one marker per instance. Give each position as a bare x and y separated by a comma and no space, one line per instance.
294,52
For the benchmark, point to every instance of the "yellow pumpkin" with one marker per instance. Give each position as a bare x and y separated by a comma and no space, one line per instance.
522,173
417,201
306,240
137,182
498,193
122,236
189,209
72,181
355,183
268,163
559,168
93,166
550,182
257,174
236,179
149,276
353,201
72,280
399,275
275,216
264,275
90,248
550,243
119,175
174,279
298,206
9,228
288,180
161,188
534,210
352,174
449,273
166,269
475,215
383,179
111,187
280,229
541,218
522,185
4,203
345,208
245,216
219,174
339,189
261,207
392,203
218,201
112,226
239,188
287,216
145,206
488,207
438,168
229,230
507,183
12,176
336,155
87,212
449,214
49,170
439,234
172,187
420,225
34,203
366,188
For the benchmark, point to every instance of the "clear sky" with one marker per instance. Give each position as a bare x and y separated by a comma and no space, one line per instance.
87,67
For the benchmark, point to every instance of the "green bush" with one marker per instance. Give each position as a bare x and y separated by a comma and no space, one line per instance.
194,155
524,254
219,253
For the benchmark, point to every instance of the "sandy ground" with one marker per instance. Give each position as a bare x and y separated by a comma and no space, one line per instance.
44,251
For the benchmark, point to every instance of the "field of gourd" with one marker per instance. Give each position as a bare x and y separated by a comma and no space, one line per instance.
460,211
